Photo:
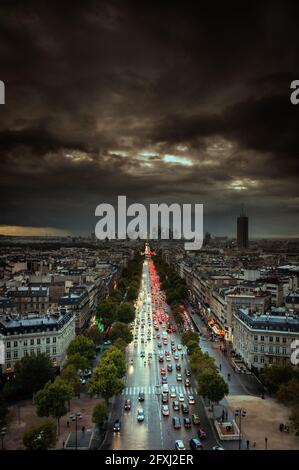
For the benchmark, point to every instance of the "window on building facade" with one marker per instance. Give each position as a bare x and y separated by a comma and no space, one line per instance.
54,339
262,359
255,338
270,360
38,350
15,354
48,350
277,349
25,342
8,355
284,350
48,340
38,341
271,339
31,342
15,344
31,352
25,352
8,344
262,338
270,349
255,348
255,359
284,340
277,339
54,350
262,348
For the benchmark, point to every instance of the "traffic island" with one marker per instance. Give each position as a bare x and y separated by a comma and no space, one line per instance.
227,430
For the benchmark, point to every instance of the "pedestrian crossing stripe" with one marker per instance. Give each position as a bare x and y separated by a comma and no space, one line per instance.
153,391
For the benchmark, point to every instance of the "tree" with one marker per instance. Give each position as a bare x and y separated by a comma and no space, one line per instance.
70,375
105,381
41,437
117,357
82,345
120,330
189,336
288,393
33,372
51,400
100,412
78,361
94,334
120,344
273,376
192,346
132,293
212,386
126,312
107,311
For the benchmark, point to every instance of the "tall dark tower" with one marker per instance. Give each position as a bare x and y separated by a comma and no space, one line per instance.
242,232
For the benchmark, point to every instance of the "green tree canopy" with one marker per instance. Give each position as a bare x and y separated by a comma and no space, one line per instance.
41,437
78,361
288,393
120,330
51,400
33,372
105,381
275,375
82,345
189,336
120,344
126,312
115,356
94,334
212,386
100,412
70,375
192,346
107,310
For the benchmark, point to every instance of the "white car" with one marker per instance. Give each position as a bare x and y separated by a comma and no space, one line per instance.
173,393
140,415
179,347
179,445
191,400
165,410
181,397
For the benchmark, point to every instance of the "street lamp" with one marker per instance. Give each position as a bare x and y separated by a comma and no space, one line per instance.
241,412
75,418
2,432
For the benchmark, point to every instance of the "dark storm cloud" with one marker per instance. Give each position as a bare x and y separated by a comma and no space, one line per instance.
99,92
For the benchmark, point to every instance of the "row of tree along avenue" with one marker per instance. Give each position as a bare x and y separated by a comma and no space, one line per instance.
211,384
119,305
174,287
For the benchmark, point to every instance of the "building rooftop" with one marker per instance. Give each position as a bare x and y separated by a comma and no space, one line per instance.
276,319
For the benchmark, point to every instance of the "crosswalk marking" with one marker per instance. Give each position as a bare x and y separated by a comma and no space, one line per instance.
151,390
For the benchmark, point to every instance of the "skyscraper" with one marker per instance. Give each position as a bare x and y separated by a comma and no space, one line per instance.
242,232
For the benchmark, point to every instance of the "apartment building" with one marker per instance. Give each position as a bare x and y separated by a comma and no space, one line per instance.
34,334
264,339
28,299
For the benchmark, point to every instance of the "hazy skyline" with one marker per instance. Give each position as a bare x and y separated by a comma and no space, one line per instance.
167,102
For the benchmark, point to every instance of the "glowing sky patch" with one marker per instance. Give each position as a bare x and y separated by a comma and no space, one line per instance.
178,160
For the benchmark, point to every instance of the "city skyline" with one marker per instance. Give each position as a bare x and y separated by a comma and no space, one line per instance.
162,103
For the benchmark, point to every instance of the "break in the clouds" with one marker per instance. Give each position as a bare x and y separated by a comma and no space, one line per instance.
160,101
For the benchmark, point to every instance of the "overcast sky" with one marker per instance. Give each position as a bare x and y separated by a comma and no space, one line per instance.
159,101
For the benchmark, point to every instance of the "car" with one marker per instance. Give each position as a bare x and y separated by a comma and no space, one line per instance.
142,354
165,388
173,348
217,448
169,367
149,338
135,344
107,343
179,347
162,371
179,445
127,404
191,400
172,342
195,444
172,392
142,340
116,425
165,410
164,398
158,336
178,367
185,408
140,415
175,405
168,358
176,422
187,383
187,423
167,353
176,357
179,377
141,396
83,381
159,344
150,355
181,397
164,379
202,434
195,419
188,372
161,358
